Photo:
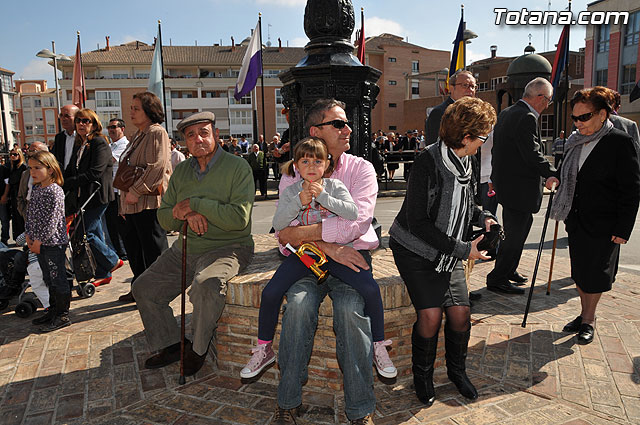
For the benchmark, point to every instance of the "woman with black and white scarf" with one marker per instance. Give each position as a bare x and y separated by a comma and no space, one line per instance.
429,240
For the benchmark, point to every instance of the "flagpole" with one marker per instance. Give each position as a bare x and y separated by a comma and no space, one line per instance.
264,123
464,42
164,92
566,81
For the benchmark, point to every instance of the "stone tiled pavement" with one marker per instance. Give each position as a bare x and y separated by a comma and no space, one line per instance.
92,371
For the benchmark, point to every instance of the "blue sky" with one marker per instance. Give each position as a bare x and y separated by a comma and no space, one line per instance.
428,23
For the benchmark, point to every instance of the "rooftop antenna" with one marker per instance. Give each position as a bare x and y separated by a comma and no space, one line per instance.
268,35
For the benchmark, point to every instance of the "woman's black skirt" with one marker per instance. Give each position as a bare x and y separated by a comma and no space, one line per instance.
428,288
594,260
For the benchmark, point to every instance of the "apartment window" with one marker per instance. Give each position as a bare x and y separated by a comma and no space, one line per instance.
48,102
120,76
628,80
415,66
178,94
37,103
51,128
578,64
482,86
393,105
142,75
496,81
240,117
11,105
393,128
49,116
546,125
107,99
211,94
178,114
27,116
271,73
415,88
632,29
26,102
393,83
106,116
39,129
392,59
603,38
7,83
14,122
601,77
279,100
244,100
28,129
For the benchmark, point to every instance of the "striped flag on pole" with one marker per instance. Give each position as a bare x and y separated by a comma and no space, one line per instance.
251,66
457,56
561,59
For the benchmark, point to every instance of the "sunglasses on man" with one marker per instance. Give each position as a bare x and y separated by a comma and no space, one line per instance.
584,117
339,124
112,127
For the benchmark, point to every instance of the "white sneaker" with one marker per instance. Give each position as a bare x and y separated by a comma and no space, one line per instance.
382,361
263,356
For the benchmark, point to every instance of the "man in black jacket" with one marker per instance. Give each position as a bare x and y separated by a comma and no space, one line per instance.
63,142
518,167
461,84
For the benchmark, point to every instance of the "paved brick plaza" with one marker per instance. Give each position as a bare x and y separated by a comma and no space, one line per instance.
92,371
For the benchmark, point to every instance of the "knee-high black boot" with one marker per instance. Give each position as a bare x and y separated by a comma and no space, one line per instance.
423,356
61,318
456,344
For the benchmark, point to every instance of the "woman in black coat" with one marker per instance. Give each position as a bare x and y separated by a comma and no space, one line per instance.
598,199
18,167
91,163
429,239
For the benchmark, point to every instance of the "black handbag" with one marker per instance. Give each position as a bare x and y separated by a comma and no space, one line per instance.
491,238
84,263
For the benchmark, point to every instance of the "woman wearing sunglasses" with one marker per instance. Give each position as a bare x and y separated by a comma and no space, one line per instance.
429,238
598,200
17,167
91,163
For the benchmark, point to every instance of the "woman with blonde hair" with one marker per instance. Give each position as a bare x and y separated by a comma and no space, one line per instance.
429,238
90,170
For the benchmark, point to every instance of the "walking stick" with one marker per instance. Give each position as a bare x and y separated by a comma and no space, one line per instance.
183,289
535,269
553,256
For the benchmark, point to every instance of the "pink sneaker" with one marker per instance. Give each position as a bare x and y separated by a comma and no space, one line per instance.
382,361
263,356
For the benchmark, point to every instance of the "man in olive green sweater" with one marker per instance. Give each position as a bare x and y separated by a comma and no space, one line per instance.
213,192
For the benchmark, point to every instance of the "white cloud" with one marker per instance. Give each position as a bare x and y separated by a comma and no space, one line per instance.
299,42
474,56
287,3
37,69
375,26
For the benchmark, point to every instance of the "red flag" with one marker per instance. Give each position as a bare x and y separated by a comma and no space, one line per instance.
79,91
360,38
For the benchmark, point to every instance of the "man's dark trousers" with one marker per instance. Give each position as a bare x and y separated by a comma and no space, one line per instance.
517,225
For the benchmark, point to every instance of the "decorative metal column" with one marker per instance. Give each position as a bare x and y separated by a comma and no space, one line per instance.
330,70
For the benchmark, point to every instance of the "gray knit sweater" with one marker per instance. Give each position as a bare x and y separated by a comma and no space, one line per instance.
422,222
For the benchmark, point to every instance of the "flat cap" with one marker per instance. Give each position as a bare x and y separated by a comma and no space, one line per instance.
197,118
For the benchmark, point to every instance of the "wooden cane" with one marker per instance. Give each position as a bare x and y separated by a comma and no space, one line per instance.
553,256
183,289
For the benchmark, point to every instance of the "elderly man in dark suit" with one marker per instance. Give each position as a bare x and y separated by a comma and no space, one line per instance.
64,141
518,167
462,84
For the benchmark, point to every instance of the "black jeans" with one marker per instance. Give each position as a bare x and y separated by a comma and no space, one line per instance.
54,272
516,226
144,240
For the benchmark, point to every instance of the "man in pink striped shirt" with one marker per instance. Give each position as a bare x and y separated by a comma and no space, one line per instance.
327,120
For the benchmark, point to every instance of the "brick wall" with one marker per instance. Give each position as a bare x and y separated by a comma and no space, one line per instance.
588,63
238,327
614,61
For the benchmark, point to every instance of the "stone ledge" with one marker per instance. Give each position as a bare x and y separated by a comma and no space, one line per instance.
238,327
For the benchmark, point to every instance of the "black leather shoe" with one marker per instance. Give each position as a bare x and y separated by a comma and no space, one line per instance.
585,335
517,278
192,361
47,317
165,357
127,298
573,326
505,288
